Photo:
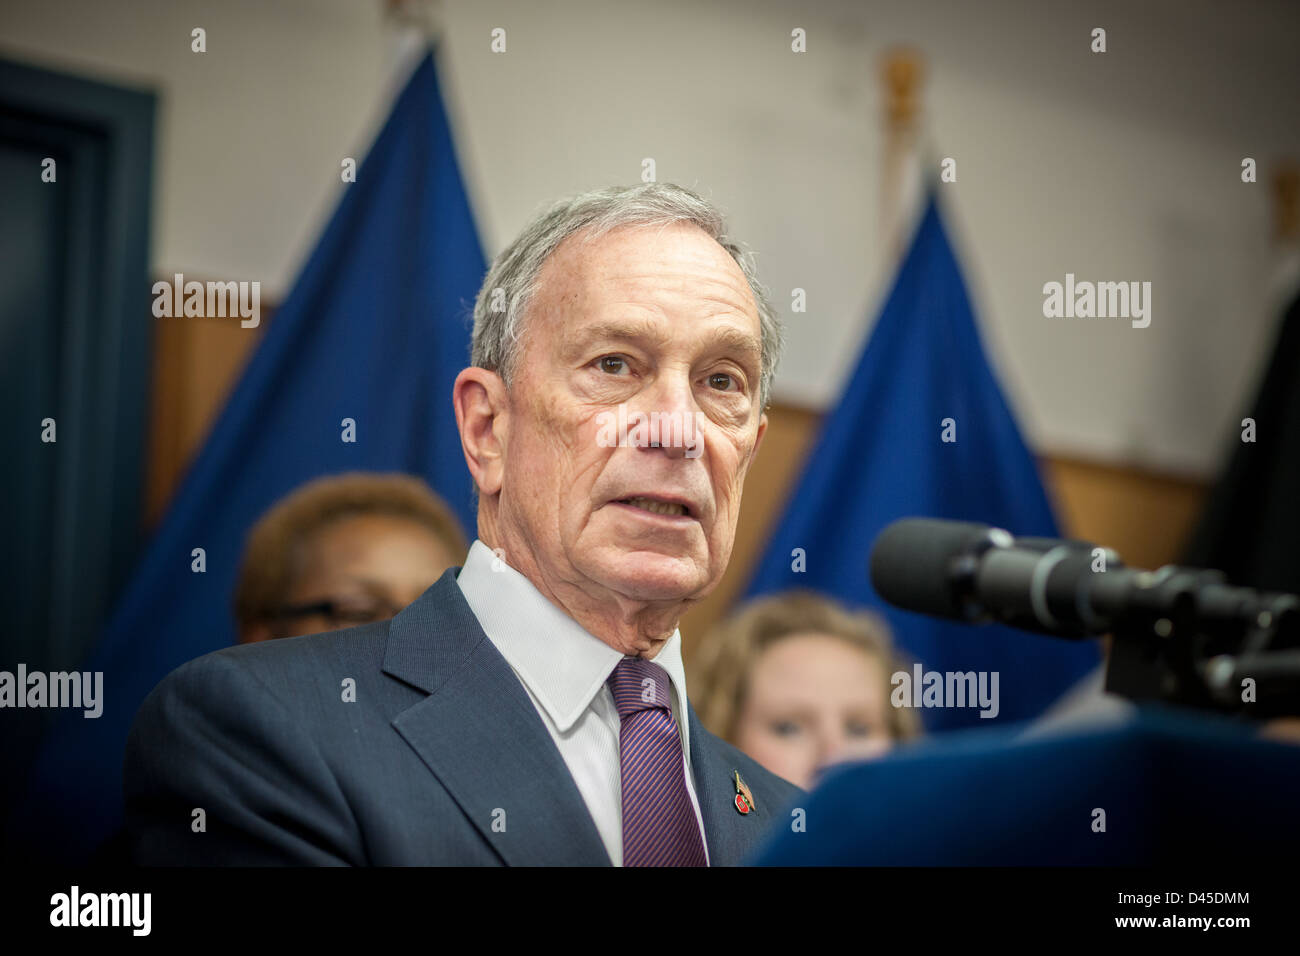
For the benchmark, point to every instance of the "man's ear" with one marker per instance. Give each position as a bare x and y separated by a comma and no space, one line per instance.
482,417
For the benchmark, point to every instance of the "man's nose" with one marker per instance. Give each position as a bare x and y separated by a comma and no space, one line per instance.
670,420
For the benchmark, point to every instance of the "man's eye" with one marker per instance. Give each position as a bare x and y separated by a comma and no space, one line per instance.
722,381
613,364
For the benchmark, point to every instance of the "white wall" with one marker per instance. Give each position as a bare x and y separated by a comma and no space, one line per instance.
1116,166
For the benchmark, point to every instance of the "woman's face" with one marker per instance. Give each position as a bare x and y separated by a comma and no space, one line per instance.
368,566
814,699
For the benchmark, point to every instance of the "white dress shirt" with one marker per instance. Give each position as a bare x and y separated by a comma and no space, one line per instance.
563,668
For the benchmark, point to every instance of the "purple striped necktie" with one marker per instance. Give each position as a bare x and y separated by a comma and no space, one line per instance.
659,823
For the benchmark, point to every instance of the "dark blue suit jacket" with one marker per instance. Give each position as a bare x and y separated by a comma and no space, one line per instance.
441,759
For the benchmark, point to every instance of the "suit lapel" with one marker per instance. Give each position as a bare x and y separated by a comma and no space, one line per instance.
730,833
480,734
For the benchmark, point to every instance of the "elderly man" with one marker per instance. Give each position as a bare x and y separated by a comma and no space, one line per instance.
530,707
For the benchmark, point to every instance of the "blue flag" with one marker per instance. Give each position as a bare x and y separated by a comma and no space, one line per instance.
374,331
882,455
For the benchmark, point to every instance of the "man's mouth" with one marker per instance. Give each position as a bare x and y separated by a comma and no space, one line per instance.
655,506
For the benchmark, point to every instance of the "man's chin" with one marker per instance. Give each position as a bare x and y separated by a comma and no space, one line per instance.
650,576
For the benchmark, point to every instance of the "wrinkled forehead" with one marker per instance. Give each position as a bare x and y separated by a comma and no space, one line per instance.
676,275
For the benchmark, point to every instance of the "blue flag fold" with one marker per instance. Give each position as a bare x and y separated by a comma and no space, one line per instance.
923,430
374,331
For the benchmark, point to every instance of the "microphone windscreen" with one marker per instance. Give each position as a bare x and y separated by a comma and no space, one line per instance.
911,563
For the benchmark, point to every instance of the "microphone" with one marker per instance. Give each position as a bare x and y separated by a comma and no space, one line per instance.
975,573
1182,635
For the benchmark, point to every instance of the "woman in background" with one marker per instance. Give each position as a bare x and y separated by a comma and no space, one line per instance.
799,682
343,550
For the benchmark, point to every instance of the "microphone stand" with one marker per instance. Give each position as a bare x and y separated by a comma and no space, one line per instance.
1187,637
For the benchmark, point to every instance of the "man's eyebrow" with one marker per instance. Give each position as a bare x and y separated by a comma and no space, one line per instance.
627,330
724,340
734,340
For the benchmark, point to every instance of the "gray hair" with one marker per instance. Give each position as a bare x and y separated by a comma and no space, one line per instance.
511,283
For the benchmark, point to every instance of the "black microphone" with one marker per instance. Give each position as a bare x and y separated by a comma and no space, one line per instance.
1181,634
974,573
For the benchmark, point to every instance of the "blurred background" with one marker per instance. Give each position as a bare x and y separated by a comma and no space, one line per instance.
1122,165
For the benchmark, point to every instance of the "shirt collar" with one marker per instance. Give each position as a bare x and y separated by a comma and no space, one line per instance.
562,664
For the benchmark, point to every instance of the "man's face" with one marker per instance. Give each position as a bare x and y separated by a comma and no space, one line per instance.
663,322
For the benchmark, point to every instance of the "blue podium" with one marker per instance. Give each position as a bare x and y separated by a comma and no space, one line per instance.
1168,787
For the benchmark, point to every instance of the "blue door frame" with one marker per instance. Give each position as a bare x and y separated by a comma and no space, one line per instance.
75,347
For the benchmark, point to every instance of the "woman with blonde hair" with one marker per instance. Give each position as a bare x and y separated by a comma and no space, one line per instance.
799,682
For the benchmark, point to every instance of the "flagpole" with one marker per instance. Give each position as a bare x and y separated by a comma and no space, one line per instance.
414,26
903,76
1286,202
1284,283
